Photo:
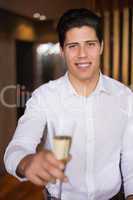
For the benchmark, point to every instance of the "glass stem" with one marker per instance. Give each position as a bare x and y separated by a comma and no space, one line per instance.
60,190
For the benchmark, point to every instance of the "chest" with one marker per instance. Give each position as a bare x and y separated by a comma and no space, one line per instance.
102,119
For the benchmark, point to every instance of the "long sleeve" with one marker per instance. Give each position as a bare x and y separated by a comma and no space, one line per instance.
28,133
127,152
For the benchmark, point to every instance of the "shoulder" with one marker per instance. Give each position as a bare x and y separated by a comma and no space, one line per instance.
122,94
116,87
47,93
51,88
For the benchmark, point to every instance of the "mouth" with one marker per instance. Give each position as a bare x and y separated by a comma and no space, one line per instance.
84,65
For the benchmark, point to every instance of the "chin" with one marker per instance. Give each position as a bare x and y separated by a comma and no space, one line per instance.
85,78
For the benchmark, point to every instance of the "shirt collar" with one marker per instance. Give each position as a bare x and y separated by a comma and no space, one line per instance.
102,85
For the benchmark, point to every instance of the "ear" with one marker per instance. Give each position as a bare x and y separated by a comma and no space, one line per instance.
61,52
101,48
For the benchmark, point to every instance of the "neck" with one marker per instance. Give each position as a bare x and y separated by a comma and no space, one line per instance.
84,87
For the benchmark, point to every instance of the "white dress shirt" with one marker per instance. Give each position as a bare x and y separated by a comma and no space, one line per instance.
101,126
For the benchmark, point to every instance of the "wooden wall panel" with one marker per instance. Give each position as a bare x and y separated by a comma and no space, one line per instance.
125,45
7,78
116,43
132,49
118,38
106,52
118,47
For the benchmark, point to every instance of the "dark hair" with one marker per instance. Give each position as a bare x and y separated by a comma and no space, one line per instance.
78,18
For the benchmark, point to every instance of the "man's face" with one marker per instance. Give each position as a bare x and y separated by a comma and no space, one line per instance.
82,51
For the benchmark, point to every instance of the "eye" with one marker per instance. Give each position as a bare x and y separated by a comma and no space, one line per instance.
72,46
91,44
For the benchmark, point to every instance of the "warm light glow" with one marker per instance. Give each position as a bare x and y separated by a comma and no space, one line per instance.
48,49
43,17
25,31
39,16
36,15
43,48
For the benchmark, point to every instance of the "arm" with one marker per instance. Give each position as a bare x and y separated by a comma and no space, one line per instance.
28,133
127,153
21,158
129,197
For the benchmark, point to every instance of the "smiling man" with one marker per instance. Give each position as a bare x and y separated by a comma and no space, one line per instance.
101,111
82,50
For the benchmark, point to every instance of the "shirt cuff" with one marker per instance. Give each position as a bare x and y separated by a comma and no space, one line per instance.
128,188
12,161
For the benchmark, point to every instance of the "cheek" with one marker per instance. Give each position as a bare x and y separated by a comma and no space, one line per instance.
70,57
94,54
72,54
68,60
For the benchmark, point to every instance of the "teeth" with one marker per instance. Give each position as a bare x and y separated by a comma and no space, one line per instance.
83,65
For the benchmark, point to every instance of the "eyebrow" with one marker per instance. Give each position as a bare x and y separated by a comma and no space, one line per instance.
73,43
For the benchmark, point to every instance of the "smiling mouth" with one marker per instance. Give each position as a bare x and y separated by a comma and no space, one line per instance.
84,65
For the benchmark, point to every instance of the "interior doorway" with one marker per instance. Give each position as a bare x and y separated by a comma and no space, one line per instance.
24,73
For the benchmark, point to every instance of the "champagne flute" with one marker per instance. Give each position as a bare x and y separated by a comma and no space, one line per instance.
61,145
61,149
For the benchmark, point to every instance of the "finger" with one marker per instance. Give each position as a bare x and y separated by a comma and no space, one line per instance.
45,176
55,172
38,181
53,161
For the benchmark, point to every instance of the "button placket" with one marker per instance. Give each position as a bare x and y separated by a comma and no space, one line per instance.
90,147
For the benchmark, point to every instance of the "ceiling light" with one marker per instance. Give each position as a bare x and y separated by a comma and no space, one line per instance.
36,15
42,17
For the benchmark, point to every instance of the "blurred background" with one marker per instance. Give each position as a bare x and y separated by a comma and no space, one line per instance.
29,56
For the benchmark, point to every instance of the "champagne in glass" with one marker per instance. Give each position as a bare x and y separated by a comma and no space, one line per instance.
63,133
62,145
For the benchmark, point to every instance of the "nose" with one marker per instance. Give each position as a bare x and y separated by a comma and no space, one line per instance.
82,52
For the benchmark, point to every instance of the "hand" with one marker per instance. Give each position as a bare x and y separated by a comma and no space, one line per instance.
129,197
41,168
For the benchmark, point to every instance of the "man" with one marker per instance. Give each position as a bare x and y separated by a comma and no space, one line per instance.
101,110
